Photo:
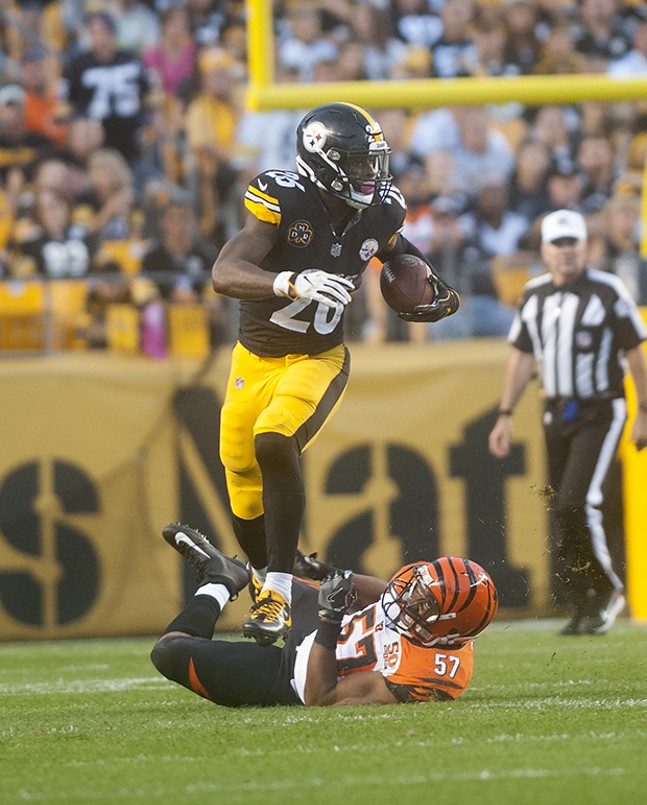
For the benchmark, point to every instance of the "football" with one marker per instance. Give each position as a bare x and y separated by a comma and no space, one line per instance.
404,285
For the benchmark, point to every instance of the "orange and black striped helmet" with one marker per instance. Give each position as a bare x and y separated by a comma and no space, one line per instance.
448,601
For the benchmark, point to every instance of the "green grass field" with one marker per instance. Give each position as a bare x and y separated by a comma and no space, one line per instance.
547,720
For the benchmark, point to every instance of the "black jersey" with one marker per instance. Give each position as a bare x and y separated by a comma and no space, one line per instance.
275,326
579,333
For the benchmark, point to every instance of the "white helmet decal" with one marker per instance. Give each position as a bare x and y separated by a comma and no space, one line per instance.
314,136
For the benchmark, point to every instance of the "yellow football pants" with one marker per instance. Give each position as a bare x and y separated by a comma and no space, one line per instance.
293,395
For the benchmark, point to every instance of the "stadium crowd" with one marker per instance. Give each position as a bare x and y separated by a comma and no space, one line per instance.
125,144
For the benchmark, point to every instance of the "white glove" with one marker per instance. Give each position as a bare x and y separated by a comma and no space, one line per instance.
320,286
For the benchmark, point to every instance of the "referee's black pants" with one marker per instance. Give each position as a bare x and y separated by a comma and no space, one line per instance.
581,443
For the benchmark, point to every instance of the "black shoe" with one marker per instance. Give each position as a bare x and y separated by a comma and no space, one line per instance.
609,606
270,619
211,564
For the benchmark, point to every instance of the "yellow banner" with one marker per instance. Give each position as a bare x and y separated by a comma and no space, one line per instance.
100,451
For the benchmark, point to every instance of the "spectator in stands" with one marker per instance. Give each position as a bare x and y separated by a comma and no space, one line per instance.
52,244
304,45
371,28
447,236
172,58
489,38
85,136
435,130
439,167
477,149
112,194
551,126
596,117
634,61
522,43
527,187
557,55
109,85
206,20
415,23
454,53
492,228
595,157
137,25
180,263
210,122
52,173
564,185
482,152
20,149
622,256
43,112
418,222
600,35
470,242
105,289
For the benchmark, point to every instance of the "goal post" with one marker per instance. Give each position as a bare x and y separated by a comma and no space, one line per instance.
263,93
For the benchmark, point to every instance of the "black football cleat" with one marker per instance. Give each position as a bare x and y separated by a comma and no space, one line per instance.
269,620
211,564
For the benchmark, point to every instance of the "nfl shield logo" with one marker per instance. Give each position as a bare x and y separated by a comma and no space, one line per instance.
239,382
335,249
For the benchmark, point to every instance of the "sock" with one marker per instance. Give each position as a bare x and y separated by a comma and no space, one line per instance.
280,583
217,591
198,618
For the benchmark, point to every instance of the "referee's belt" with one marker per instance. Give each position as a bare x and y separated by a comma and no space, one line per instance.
581,401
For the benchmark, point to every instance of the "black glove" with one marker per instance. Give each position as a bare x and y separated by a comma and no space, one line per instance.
309,567
446,301
337,594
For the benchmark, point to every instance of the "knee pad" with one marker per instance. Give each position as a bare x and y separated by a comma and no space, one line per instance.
236,441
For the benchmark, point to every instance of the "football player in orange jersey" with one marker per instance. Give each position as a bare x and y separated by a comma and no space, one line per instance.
308,237
354,639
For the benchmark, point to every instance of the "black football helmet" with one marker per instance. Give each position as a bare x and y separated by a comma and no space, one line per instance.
448,601
342,149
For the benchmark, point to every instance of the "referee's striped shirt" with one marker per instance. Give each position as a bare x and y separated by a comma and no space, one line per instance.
578,333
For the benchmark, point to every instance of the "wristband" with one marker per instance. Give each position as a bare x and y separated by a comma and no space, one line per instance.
327,633
505,411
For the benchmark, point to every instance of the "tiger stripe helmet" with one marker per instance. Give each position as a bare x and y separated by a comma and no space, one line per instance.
448,601
341,149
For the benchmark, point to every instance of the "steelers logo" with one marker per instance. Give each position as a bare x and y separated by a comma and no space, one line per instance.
300,234
314,137
368,249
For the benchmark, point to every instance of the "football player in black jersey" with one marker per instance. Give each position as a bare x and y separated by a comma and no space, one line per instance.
308,237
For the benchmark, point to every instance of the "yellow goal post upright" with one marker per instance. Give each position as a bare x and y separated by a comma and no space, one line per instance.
263,93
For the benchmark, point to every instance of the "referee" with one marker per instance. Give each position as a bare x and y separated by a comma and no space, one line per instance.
579,327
